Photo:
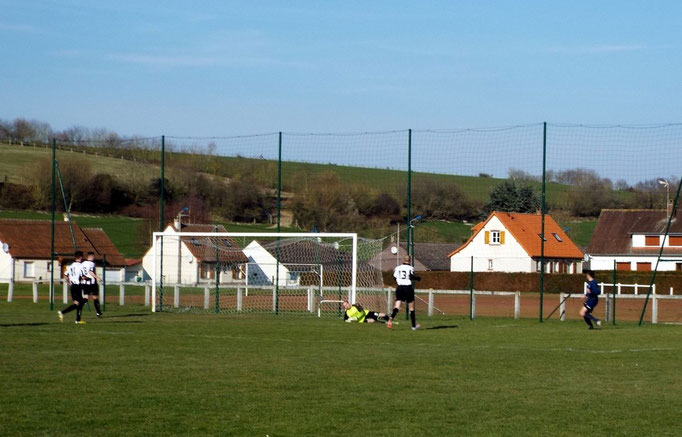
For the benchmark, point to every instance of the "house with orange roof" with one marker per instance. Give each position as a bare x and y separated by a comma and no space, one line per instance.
512,242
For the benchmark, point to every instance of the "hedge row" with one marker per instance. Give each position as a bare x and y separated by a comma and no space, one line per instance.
530,282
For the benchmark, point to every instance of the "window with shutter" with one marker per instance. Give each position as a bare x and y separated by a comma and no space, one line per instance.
651,240
675,240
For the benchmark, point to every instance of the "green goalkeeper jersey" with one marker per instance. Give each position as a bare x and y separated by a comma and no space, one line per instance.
358,314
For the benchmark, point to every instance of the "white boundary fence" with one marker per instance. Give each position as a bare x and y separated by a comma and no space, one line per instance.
608,303
431,293
620,287
110,285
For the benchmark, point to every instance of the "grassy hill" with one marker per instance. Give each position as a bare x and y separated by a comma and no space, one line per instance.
18,166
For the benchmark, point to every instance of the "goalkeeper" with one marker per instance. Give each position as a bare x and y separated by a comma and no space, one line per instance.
355,313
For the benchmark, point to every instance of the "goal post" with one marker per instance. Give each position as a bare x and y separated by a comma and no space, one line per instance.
234,272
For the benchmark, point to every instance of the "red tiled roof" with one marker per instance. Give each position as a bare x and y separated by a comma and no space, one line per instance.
30,239
613,233
526,229
204,248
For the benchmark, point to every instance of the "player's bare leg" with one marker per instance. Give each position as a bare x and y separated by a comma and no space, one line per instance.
396,310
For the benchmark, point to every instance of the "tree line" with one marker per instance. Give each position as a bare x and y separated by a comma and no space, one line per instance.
243,190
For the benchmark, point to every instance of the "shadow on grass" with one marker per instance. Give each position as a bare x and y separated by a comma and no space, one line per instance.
118,316
118,321
10,325
441,327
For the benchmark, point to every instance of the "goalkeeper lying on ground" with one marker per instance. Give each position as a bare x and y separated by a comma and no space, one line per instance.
355,313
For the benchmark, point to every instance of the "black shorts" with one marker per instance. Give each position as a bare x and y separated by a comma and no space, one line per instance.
372,315
77,292
404,293
590,303
91,289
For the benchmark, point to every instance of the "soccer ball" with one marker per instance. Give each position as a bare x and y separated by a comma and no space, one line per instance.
394,250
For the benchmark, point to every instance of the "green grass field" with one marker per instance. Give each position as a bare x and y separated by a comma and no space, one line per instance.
134,372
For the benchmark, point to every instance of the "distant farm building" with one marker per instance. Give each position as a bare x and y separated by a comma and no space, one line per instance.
633,239
427,256
25,250
192,260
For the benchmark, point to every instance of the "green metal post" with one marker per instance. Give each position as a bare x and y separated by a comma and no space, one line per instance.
217,272
279,215
544,206
338,279
163,186
410,235
471,290
660,253
161,219
613,292
54,159
104,282
279,182
409,193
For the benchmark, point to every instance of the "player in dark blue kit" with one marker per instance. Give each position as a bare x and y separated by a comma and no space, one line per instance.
590,300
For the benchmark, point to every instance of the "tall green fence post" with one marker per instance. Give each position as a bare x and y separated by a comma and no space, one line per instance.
542,232
279,215
410,234
217,275
104,282
613,292
471,290
660,252
54,160
161,219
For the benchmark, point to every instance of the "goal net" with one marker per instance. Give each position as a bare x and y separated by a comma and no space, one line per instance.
237,272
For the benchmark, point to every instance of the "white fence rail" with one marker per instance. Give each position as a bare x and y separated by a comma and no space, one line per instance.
644,288
608,303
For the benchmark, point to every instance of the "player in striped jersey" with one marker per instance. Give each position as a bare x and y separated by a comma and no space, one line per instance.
75,274
90,288
404,292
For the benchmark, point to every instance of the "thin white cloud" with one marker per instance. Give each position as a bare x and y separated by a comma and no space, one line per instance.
180,60
600,48
14,27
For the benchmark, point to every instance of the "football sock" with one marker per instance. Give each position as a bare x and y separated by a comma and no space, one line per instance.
97,309
79,310
588,321
394,313
413,318
594,319
69,308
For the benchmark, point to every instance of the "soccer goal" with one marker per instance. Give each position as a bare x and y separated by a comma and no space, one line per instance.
268,272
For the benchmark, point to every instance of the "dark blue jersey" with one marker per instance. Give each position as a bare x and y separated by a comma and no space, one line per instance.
593,289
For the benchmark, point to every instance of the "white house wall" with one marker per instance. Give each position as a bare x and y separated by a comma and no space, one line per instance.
5,267
606,262
179,265
41,270
266,269
507,257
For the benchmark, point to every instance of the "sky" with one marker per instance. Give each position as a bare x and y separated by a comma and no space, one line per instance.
228,68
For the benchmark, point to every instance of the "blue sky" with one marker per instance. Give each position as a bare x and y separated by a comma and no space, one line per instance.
225,68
